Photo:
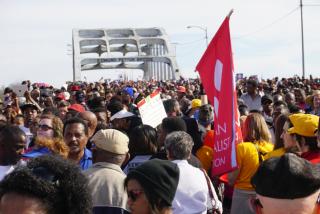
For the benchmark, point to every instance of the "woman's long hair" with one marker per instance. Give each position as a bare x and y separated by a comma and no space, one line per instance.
279,123
255,129
143,141
56,144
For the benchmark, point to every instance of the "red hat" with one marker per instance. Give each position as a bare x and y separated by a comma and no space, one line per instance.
75,88
181,89
61,96
77,107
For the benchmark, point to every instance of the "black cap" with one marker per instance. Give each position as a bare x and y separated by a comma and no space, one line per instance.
252,82
266,99
286,177
161,177
28,105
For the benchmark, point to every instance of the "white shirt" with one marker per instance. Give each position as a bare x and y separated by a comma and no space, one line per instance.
253,104
192,191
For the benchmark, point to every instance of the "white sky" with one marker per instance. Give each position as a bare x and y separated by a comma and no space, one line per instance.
34,34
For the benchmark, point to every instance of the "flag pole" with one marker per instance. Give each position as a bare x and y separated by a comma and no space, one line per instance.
230,13
302,40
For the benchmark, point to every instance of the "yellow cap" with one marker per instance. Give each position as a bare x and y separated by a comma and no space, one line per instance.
195,103
304,124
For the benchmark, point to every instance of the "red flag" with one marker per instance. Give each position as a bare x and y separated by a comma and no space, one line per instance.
217,76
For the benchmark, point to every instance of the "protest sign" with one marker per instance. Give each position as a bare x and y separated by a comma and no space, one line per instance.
152,110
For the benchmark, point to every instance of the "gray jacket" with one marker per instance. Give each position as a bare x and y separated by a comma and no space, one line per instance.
106,185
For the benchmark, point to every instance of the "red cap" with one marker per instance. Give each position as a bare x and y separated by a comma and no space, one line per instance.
61,96
181,89
75,88
77,107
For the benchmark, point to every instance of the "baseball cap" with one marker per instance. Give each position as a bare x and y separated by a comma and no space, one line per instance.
266,99
286,177
195,103
66,95
129,91
111,140
61,96
75,88
77,107
63,103
181,89
121,114
303,124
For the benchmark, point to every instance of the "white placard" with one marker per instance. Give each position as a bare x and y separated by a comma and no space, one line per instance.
152,110
19,90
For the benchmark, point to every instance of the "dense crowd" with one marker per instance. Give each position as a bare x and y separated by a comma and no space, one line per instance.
83,148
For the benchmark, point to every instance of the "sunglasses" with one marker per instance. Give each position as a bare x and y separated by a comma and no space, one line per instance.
134,194
44,127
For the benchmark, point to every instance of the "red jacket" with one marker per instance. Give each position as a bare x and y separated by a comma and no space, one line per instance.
312,156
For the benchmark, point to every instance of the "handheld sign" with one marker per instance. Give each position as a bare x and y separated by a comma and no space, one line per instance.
152,110
19,90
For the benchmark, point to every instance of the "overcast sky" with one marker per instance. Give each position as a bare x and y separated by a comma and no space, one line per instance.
266,37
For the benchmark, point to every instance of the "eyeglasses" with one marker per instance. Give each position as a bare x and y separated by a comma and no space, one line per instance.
44,127
134,194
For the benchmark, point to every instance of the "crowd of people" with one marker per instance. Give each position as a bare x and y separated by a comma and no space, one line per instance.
83,148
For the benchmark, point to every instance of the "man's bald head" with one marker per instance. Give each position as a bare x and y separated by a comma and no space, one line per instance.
91,120
290,98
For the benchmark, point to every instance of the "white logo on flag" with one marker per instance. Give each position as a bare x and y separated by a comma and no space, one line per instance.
218,74
217,84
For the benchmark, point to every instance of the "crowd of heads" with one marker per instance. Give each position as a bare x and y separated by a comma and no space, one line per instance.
48,133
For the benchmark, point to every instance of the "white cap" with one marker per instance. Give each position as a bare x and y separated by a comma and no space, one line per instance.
66,95
121,114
